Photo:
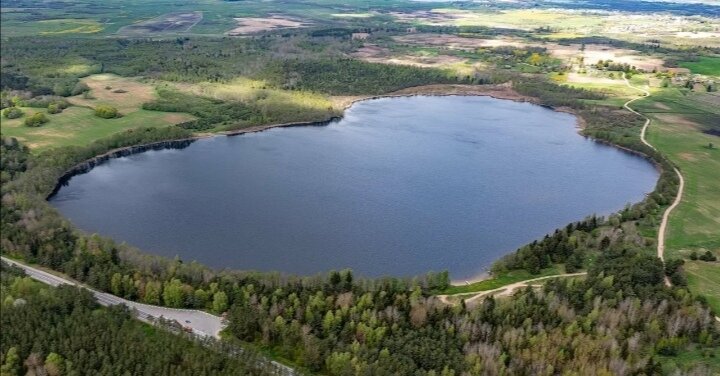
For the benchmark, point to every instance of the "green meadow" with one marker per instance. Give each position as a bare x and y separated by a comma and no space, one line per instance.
79,126
680,128
706,65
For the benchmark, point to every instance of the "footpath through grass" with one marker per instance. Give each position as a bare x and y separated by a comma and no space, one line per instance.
500,281
682,127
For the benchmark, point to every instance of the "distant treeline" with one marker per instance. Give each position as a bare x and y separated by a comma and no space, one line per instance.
25,62
619,320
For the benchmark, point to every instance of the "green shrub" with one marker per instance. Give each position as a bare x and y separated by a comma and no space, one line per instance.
708,256
54,108
80,88
44,101
35,120
106,112
12,113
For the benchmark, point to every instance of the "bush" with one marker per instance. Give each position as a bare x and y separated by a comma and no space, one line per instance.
708,256
12,113
106,112
669,346
44,101
80,88
53,108
36,120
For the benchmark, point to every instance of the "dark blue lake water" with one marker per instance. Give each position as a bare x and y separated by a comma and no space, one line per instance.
399,186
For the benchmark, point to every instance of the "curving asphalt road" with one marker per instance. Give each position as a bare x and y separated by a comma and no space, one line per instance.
202,323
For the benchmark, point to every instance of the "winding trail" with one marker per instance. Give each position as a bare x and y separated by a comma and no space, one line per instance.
505,290
666,215
508,289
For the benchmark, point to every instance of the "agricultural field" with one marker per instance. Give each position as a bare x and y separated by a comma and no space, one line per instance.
565,23
251,25
178,22
706,65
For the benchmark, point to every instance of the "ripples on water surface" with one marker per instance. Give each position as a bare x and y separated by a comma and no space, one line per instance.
399,186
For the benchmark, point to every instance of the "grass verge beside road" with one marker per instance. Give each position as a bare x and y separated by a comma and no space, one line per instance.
500,281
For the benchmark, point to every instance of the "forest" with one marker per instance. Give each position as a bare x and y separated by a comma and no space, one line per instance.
621,319
337,324
63,331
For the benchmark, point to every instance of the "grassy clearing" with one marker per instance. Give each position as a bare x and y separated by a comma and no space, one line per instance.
125,94
680,122
677,130
80,126
706,65
69,26
500,281
277,106
691,358
704,277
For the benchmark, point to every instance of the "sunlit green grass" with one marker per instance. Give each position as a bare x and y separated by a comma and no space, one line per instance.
501,280
705,65
678,120
79,126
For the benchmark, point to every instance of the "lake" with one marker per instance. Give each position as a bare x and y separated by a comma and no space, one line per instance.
399,186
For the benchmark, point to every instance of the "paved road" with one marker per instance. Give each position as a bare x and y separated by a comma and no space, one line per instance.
666,215
202,324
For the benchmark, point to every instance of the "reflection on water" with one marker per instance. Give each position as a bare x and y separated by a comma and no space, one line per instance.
400,186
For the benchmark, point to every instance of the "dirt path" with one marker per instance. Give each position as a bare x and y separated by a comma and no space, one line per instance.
505,290
663,224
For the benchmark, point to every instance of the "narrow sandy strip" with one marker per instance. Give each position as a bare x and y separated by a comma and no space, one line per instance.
508,289
666,215
505,290
663,224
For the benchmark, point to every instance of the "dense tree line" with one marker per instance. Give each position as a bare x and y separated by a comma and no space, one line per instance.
573,244
210,112
618,320
344,76
199,59
343,326
554,95
62,331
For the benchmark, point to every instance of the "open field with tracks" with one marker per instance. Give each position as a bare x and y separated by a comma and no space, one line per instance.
178,22
681,127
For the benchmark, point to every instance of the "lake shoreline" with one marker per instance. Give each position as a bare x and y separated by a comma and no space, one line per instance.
502,92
